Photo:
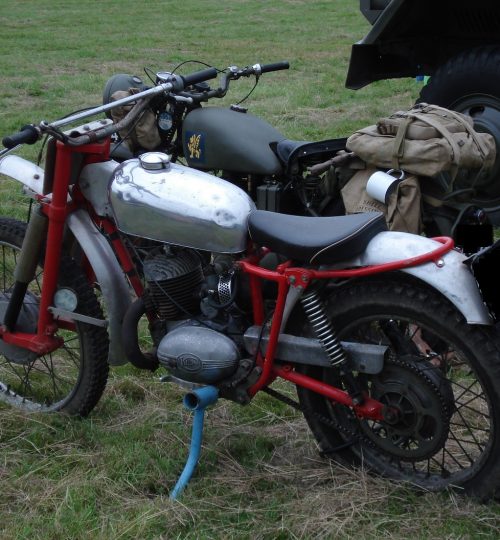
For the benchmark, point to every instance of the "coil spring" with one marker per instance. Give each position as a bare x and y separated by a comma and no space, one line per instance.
317,317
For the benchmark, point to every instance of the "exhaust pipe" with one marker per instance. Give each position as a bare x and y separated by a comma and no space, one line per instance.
130,337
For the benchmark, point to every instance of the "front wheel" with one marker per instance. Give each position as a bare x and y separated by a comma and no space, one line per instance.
441,379
70,379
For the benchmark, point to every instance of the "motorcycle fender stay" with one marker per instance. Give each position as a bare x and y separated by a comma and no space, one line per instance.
22,170
448,275
115,290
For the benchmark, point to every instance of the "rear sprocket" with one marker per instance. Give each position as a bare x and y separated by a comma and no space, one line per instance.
421,403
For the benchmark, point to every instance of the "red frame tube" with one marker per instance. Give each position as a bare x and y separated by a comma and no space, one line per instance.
371,408
123,256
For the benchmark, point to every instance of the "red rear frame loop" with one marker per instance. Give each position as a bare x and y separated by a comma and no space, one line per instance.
287,275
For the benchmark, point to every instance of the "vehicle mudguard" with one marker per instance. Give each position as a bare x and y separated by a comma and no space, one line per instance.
114,287
449,276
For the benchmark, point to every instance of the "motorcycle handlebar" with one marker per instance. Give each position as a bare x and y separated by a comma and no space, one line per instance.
276,66
234,73
30,134
27,135
199,76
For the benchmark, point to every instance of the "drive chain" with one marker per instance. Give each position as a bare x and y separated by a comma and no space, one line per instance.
355,437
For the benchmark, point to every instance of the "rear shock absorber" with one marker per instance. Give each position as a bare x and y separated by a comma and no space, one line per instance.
323,328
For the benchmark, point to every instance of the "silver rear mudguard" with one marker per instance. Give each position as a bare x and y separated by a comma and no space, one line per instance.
450,276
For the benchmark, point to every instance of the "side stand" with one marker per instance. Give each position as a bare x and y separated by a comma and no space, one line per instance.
197,401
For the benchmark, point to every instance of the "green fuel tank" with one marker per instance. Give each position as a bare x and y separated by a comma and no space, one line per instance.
224,139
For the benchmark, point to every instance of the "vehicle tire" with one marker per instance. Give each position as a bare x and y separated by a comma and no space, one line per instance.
70,379
470,83
442,376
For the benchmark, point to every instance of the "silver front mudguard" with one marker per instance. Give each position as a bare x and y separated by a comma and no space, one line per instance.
116,293
22,170
450,276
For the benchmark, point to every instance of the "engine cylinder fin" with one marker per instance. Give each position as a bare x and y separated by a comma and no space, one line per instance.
173,280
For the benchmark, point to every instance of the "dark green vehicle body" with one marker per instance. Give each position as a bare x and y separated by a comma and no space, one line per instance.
416,37
457,44
218,138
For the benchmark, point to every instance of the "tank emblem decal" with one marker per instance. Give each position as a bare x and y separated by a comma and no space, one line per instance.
196,146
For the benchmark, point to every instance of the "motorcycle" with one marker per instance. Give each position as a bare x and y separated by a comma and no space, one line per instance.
385,335
280,175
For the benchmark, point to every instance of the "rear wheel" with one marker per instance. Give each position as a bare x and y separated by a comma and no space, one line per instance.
441,380
70,379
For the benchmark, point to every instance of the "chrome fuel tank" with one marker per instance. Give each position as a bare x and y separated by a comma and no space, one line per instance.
153,198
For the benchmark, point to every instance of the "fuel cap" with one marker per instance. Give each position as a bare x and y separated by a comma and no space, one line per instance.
154,161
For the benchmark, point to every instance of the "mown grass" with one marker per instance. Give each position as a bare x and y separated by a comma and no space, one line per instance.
109,476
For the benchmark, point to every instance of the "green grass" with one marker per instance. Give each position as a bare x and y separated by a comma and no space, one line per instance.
108,476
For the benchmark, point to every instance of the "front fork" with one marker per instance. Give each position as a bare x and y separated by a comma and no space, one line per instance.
46,226
44,340
26,265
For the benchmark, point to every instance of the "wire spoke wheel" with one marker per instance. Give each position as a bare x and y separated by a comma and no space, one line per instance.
440,379
71,378
444,418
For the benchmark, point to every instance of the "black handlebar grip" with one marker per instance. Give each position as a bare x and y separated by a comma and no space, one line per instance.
27,135
199,76
277,66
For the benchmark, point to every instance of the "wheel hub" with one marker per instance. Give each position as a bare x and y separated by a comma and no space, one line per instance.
419,403
485,111
26,322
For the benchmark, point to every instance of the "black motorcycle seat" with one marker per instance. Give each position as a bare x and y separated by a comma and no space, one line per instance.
315,240
285,148
290,152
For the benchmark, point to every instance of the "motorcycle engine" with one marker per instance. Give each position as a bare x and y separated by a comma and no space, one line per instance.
197,310
173,277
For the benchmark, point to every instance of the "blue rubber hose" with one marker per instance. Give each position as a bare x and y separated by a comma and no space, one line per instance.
197,401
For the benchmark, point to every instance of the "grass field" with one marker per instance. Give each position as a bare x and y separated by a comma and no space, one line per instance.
260,476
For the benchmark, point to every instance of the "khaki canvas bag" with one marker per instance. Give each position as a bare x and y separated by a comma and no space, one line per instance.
425,141
403,211
145,132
